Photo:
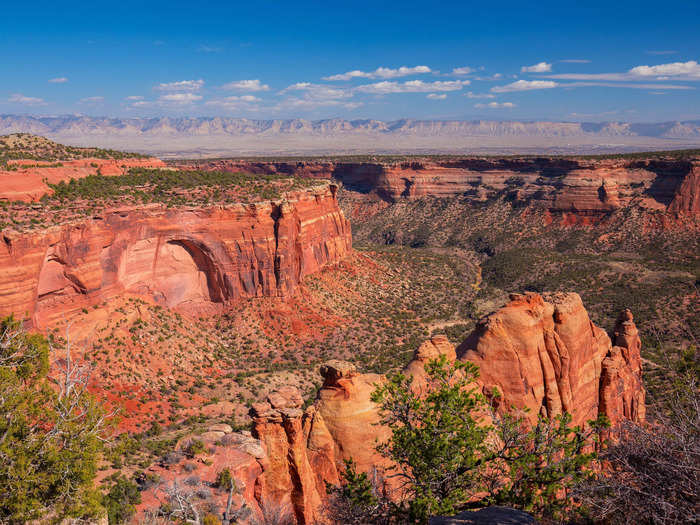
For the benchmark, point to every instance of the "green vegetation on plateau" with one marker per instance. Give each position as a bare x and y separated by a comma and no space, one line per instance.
81,198
31,147
168,186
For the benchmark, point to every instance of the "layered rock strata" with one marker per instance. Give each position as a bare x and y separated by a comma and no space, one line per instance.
590,188
189,258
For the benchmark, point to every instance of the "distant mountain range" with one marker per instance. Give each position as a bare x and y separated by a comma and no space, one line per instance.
218,136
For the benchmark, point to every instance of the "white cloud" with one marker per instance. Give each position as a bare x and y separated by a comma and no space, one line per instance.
381,72
495,76
479,95
495,105
247,85
134,97
306,103
247,102
316,95
182,85
318,91
462,70
591,76
524,85
180,98
435,96
411,86
541,67
58,80
18,98
234,99
674,69
677,71
627,85
576,61
92,100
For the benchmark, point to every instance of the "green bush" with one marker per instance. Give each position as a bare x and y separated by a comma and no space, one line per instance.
121,500
447,458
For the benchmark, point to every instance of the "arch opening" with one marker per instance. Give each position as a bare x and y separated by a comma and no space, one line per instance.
177,273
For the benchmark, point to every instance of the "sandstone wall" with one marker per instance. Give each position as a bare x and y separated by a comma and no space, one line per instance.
585,187
188,258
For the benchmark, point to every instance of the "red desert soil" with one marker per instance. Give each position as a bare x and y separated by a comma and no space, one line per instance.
29,182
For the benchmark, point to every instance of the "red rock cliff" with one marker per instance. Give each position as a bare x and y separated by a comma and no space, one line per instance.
542,352
578,186
190,258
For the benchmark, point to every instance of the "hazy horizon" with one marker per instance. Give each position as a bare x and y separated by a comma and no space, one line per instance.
228,136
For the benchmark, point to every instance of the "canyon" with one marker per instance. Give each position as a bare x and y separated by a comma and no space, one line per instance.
189,258
234,313
575,187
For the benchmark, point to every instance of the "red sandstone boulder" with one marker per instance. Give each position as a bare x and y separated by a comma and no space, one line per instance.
431,349
544,354
349,414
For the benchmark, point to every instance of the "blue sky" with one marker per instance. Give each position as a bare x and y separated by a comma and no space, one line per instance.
507,60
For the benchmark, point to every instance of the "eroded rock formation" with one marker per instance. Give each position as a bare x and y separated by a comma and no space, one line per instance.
544,353
189,258
541,352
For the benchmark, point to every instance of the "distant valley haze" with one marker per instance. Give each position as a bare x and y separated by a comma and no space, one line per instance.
223,136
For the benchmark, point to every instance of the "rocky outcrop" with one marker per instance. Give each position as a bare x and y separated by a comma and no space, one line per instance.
289,480
621,388
29,179
305,450
543,353
687,197
194,259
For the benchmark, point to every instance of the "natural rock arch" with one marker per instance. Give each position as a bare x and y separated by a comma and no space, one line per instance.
174,272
